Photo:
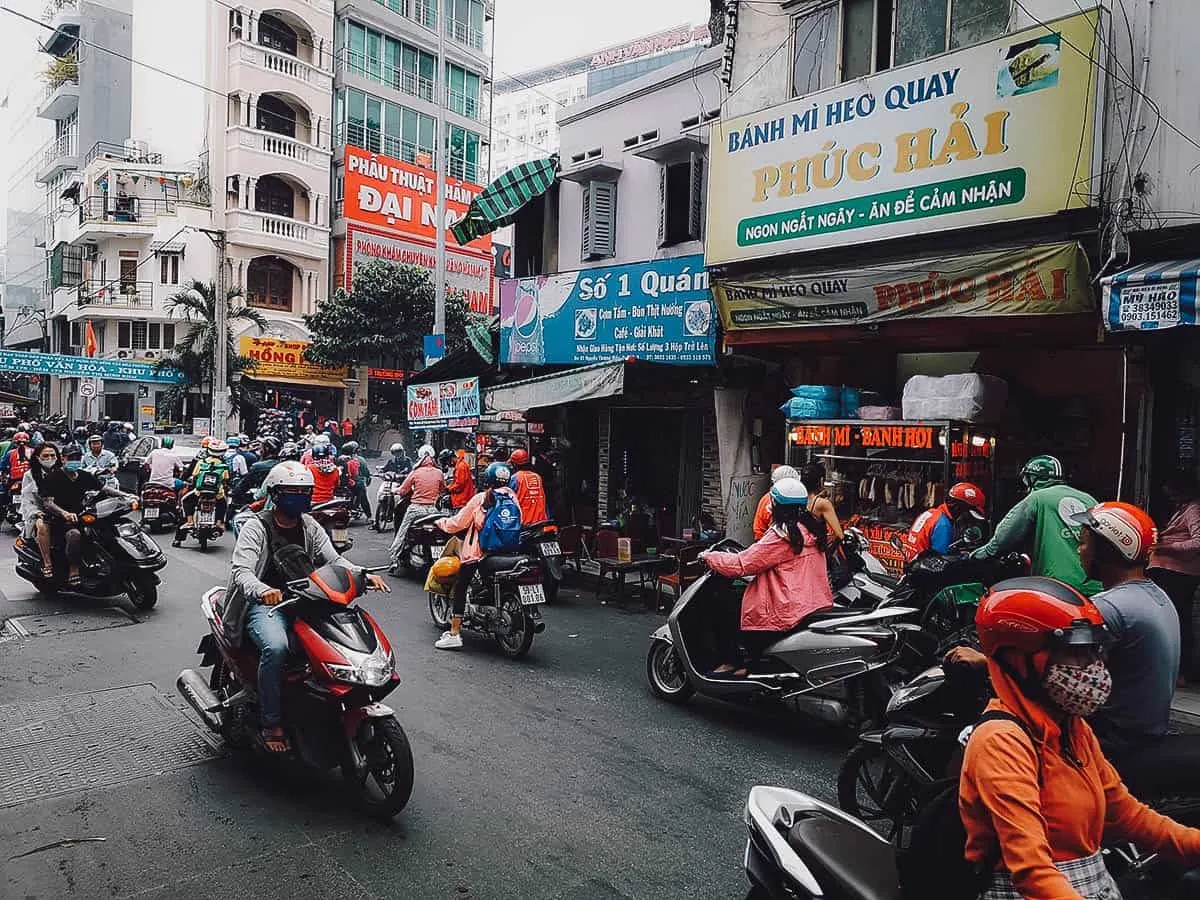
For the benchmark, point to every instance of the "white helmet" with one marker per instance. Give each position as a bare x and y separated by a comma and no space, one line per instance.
426,451
396,448
782,472
290,474
321,439
217,448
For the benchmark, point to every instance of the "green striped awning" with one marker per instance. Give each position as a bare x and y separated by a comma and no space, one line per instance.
501,200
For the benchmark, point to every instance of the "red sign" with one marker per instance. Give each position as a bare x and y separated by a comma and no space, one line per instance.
467,272
906,437
387,374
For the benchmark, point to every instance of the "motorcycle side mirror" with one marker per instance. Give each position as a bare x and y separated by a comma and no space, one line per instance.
972,536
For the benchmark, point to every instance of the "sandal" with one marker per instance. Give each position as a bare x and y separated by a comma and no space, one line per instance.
75,581
274,741
740,673
48,572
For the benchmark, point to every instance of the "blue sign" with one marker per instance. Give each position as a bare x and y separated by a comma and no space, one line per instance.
1153,297
84,367
435,347
658,311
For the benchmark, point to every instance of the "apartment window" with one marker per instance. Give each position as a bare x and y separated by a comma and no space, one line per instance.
129,268
124,335
463,149
681,201
880,34
599,220
77,333
276,116
160,336
168,265
540,137
275,34
815,42
269,283
464,21
66,266
274,196
462,91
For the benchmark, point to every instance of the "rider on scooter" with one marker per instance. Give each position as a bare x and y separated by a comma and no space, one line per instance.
424,485
256,585
936,529
13,467
104,462
162,465
63,492
209,467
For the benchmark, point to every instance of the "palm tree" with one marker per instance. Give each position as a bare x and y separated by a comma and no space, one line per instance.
193,355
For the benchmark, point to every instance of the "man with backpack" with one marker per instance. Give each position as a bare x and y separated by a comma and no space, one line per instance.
490,522
211,474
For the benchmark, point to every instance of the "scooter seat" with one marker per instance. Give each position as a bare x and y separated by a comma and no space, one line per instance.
822,615
887,581
493,564
848,863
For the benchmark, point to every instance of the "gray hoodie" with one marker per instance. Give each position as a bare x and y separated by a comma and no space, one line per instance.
252,553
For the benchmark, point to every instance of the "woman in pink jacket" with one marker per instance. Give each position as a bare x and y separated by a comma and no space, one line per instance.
791,578
1175,560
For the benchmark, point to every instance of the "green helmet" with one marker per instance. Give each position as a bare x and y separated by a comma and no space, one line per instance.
1042,471
168,443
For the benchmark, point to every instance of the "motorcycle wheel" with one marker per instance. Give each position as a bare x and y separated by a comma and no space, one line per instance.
143,592
666,674
439,610
389,764
222,684
380,518
514,643
872,788
203,539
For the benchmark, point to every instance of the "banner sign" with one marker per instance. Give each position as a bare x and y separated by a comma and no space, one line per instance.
444,404
469,273
996,132
659,311
1152,297
285,359
85,367
1047,280
399,197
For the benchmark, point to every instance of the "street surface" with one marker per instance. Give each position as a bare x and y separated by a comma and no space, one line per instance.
559,776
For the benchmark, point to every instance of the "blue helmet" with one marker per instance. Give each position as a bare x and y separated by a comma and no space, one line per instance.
497,475
233,441
322,451
789,492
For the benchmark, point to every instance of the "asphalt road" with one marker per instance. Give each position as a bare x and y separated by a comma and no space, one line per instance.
558,776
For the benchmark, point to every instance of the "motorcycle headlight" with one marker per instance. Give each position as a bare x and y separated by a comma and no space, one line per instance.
370,669
128,529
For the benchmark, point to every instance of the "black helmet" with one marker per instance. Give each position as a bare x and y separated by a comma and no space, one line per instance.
271,446
72,451
80,433
350,448
445,457
289,451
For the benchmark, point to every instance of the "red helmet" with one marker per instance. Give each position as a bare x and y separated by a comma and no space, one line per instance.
20,438
1129,529
972,495
519,457
1034,614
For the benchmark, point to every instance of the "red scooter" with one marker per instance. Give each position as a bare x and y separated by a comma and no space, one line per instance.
340,668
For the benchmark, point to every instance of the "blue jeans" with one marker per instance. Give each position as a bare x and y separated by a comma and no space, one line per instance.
270,634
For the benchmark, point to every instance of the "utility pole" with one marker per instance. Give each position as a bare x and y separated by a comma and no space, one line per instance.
220,382
443,151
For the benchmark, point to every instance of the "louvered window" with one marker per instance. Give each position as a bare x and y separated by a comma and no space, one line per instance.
599,220
681,201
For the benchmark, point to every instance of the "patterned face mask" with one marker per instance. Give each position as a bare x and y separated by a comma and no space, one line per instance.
1078,690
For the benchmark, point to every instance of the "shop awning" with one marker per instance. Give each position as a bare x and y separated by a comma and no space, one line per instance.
501,200
27,332
333,385
1152,296
605,379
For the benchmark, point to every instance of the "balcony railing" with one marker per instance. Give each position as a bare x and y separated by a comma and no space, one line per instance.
284,64
124,210
133,152
462,32
398,79
372,140
117,294
66,145
464,104
277,227
281,145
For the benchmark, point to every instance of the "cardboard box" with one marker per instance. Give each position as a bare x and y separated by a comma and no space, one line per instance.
624,549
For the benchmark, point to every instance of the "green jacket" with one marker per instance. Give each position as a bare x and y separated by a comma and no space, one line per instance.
1040,524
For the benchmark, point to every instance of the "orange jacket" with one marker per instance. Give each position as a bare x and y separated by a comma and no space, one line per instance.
919,537
762,516
324,483
531,497
462,488
1065,817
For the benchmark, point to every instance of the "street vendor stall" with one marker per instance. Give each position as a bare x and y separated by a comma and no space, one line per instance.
882,475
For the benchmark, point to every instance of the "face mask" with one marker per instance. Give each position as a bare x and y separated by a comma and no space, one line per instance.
48,462
1078,690
293,505
73,465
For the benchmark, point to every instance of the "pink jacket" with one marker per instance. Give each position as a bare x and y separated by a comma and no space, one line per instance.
425,483
469,519
788,585
1178,547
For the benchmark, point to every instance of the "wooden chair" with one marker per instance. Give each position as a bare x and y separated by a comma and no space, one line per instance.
605,543
688,569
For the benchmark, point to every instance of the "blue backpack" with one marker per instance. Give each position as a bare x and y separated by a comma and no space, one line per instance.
501,530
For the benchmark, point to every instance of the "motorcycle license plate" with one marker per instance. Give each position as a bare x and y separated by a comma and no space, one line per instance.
150,512
436,550
206,517
531,594
340,535
550,548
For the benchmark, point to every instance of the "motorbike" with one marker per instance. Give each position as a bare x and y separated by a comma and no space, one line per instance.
207,525
340,668
422,545
118,558
540,540
502,600
388,513
799,848
838,665
160,508
12,511
334,517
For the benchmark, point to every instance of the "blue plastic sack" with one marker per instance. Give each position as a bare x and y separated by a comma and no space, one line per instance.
818,392
851,400
808,408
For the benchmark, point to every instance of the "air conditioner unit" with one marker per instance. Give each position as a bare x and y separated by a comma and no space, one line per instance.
231,184
149,354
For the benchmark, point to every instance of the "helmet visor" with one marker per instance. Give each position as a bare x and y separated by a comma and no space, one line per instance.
1081,635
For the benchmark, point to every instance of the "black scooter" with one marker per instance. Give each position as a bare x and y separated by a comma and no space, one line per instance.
118,557
540,540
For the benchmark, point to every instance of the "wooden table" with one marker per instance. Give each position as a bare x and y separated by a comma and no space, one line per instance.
641,563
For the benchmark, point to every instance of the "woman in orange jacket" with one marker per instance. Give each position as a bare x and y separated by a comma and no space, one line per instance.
1036,794
762,515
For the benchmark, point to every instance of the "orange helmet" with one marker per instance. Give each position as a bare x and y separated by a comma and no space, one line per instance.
971,495
1031,615
446,568
20,438
1129,529
519,457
